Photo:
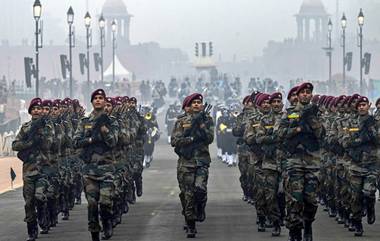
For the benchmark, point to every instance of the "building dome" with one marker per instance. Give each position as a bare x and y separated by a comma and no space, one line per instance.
312,7
114,7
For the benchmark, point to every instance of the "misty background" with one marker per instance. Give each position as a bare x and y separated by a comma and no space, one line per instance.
237,27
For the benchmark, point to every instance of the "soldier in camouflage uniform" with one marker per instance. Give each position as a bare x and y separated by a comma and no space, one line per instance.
361,143
376,115
243,149
267,176
98,138
301,130
33,143
138,147
191,136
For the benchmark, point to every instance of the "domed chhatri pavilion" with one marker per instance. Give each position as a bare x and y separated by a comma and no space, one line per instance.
117,10
312,11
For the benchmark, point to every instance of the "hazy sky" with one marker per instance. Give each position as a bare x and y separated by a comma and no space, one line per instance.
241,27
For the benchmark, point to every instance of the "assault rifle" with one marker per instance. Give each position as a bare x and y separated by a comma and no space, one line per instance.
97,146
306,137
33,136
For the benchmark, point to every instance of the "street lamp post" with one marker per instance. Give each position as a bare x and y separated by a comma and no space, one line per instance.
361,23
114,27
344,26
329,52
87,22
102,24
37,10
70,21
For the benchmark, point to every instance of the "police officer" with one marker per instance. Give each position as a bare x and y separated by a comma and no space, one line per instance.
191,137
98,166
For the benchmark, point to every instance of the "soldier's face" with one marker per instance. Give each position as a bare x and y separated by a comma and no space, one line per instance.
36,112
98,102
55,112
305,95
265,106
378,106
277,105
132,104
45,110
363,108
249,104
196,106
187,109
293,99
108,108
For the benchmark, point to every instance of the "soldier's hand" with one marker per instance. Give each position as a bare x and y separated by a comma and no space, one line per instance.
104,130
298,129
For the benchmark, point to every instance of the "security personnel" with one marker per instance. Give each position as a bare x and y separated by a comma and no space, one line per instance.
98,135
301,130
33,143
191,137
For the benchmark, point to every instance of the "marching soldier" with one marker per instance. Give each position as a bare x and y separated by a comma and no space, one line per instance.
361,143
301,130
243,149
33,143
98,135
191,137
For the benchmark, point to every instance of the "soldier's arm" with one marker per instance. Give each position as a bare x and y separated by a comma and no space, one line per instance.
238,129
20,143
48,136
111,136
261,137
250,133
209,131
178,139
79,139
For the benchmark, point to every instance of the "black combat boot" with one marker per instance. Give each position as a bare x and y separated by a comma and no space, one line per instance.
125,207
340,216
95,236
261,226
139,187
107,229
191,231
65,216
308,231
32,233
268,223
201,212
276,229
371,215
358,228
295,234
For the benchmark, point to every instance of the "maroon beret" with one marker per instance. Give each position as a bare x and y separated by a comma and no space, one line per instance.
321,99
291,91
68,100
276,95
328,100
257,97
339,99
133,99
262,98
346,99
195,96
184,102
246,99
47,103
125,99
352,98
315,99
303,86
98,92
34,102
56,103
362,99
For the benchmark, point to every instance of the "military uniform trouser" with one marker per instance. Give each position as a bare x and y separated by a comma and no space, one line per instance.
99,195
343,187
137,166
301,196
267,182
243,168
34,193
251,186
193,189
363,186
330,185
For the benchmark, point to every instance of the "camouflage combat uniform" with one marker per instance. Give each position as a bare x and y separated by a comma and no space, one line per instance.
98,170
